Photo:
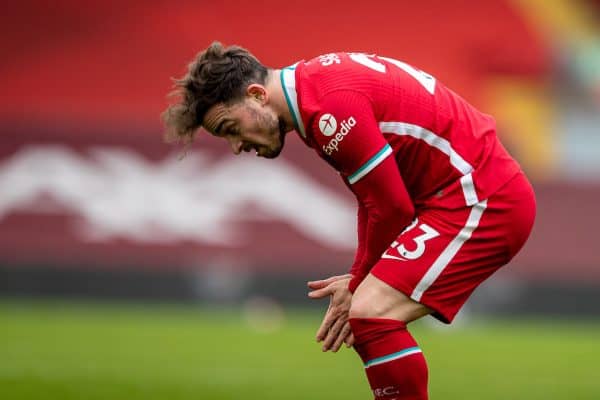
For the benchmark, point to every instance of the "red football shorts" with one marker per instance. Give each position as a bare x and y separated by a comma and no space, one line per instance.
446,253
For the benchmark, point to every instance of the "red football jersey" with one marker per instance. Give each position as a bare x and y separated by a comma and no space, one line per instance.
396,135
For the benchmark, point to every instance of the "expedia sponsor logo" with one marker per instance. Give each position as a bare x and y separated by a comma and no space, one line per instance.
345,128
327,124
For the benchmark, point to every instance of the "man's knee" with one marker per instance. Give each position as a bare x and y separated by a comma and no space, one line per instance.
365,307
376,299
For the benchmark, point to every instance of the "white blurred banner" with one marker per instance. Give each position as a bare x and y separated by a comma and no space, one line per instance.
119,193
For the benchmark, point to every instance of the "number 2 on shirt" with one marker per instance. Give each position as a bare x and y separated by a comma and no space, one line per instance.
426,80
403,253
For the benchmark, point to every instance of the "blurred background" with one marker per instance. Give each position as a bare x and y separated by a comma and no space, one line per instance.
100,219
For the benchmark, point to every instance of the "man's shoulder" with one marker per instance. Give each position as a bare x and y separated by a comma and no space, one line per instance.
323,75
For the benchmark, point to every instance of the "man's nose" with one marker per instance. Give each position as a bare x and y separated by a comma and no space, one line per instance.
236,145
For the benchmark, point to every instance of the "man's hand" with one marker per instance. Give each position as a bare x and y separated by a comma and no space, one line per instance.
335,328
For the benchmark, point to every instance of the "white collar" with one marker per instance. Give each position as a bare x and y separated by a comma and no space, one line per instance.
288,82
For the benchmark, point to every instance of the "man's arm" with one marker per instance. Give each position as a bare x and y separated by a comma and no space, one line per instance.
389,210
348,135
384,210
365,160
361,227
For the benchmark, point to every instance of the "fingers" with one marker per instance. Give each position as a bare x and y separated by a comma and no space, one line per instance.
349,339
334,333
342,337
320,293
335,328
318,284
328,320
339,285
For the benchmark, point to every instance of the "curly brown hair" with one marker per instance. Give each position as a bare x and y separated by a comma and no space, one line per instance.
217,75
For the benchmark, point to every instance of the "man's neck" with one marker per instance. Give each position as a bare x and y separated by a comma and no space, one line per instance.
277,99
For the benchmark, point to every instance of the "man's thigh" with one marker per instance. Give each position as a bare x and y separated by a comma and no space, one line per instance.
374,298
441,258
445,254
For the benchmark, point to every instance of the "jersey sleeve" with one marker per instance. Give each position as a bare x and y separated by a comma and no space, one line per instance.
348,135
361,226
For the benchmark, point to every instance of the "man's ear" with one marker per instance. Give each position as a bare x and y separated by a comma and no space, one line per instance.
258,92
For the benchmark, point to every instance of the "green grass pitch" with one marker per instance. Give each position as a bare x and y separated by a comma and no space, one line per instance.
119,351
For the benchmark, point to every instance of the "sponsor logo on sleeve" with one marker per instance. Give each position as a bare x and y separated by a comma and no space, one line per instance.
328,126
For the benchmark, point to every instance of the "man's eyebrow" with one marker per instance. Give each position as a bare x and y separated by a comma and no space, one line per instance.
220,126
